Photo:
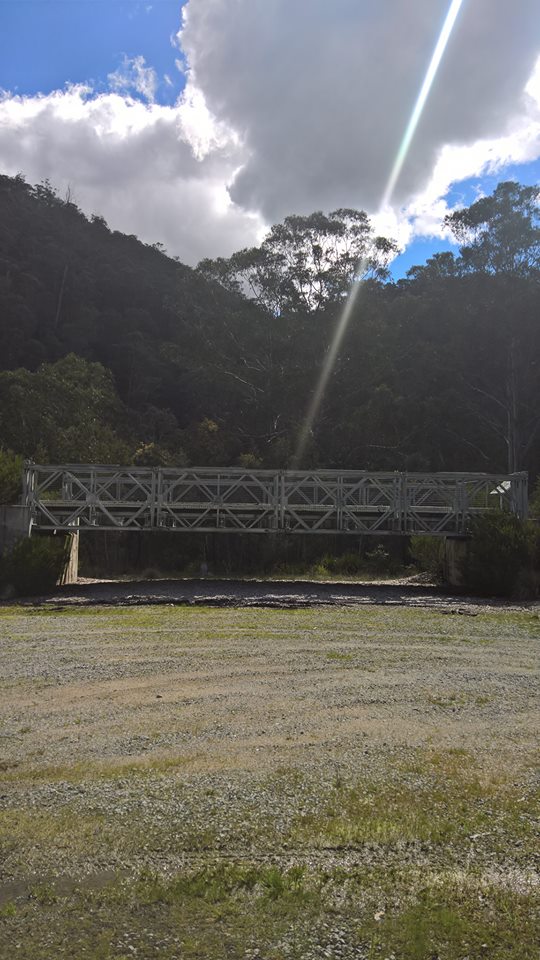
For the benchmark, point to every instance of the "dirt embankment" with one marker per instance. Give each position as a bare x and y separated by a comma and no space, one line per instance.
284,594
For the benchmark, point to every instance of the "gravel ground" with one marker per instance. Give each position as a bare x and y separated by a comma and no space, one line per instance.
348,740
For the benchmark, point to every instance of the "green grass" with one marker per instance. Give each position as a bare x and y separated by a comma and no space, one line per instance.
98,770
95,836
212,912
334,655
227,908
441,798
443,916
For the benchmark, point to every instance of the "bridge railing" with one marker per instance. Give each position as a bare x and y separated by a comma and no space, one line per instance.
213,499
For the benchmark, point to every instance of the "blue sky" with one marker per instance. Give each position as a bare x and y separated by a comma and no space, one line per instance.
463,193
45,44
206,175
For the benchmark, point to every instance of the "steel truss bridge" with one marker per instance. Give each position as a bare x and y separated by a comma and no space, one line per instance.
214,499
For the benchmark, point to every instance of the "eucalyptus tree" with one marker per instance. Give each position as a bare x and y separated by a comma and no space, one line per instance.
306,262
499,238
500,234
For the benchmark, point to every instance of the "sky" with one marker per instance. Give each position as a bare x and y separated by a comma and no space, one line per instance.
199,124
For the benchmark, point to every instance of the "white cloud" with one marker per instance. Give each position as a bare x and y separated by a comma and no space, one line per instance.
133,163
455,163
321,102
285,112
134,76
202,131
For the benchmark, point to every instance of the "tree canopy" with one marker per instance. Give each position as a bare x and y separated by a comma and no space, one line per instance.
110,350
500,234
305,262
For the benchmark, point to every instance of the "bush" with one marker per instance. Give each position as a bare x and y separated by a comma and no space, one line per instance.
249,461
533,528
427,554
34,565
11,466
501,554
346,564
379,560
534,505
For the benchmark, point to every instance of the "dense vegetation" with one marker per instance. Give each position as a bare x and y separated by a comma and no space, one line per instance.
112,351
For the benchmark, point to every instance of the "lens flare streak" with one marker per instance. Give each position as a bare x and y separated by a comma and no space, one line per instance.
431,73
397,167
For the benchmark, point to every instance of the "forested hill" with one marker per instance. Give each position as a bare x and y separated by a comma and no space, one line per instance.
112,351
71,290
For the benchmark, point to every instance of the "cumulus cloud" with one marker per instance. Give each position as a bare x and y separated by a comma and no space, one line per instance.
321,98
458,162
289,107
132,162
424,213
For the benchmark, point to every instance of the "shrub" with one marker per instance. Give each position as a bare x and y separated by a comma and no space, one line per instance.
11,466
376,561
347,563
379,560
533,528
249,461
34,565
500,553
428,555
535,500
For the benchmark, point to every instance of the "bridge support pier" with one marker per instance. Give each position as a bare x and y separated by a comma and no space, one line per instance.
14,526
455,553
70,573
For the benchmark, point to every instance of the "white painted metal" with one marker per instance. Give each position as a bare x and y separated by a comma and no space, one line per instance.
215,499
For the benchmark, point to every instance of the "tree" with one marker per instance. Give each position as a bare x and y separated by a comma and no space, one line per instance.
500,234
305,262
67,411
500,253
11,467
440,371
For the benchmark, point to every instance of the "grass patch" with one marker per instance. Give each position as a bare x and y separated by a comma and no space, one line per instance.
450,700
212,912
334,655
63,828
442,798
232,909
95,836
450,919
79,772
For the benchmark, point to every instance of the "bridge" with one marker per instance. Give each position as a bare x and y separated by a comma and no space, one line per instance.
77,497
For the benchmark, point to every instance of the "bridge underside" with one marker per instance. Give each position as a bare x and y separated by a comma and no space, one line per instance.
212,500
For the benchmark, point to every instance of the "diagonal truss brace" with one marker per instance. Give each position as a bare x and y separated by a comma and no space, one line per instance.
102,497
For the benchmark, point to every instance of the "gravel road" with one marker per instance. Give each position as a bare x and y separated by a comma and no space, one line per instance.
339,737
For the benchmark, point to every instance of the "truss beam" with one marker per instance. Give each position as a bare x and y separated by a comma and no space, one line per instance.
210,500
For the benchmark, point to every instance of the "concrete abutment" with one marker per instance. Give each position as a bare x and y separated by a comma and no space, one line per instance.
455,554
16,525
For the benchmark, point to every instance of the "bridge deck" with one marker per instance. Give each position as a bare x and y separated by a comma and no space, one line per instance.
213,499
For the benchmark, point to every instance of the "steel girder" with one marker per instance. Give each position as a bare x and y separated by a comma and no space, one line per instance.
208,499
